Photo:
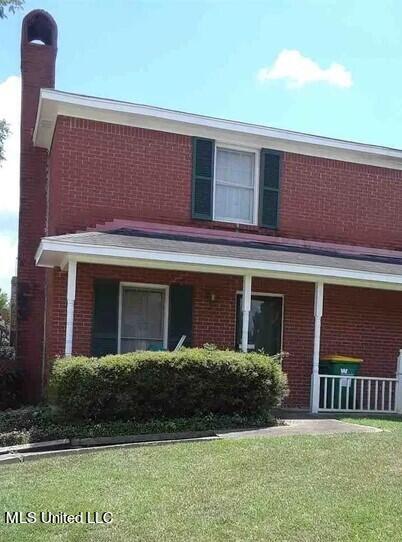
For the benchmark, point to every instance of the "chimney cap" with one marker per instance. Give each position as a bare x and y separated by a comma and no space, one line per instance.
39,26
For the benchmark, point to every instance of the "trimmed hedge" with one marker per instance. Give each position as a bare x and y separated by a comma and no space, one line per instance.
145,385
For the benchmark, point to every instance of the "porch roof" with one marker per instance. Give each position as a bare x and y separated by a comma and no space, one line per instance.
227,254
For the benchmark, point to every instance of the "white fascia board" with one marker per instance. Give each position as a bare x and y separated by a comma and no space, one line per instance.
53,103
57,252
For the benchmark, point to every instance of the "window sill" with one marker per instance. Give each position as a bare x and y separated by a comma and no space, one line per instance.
235,226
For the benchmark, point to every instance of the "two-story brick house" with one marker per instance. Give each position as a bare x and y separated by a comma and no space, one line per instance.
139,225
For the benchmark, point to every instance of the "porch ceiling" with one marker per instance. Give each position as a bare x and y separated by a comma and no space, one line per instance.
227,256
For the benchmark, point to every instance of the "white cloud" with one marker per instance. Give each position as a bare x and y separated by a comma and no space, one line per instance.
10,107
298,70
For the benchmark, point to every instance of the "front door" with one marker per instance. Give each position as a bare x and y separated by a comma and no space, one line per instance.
265,326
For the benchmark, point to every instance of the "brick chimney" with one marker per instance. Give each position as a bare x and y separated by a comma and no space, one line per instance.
38,62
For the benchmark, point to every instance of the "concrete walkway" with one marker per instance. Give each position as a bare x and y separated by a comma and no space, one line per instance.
302,426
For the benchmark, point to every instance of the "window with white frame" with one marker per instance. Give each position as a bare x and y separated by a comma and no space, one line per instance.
235,185
142,318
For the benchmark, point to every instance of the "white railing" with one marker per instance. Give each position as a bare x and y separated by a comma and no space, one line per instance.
358,394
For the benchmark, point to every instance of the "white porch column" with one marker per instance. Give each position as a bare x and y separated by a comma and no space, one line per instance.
246,305
398,392
315,378
71,283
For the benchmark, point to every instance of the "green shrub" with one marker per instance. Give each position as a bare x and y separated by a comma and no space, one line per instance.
24,418
10,386
35,424
7,353
144,385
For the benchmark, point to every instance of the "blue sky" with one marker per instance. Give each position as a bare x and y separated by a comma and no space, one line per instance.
328,67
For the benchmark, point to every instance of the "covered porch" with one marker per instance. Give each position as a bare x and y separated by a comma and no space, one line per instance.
308,299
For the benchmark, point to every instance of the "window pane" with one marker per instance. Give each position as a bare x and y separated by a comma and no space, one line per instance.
234,203
265,325
235,167
142,314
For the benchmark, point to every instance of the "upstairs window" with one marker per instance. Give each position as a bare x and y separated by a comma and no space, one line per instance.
235,185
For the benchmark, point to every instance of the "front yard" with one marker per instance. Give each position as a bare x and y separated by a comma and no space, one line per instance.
327,488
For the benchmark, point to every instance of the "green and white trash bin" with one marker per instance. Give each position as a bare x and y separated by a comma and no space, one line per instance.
336,365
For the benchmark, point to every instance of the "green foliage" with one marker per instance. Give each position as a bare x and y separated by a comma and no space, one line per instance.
10,386
4,303
3,300
9,6
7,352
4,326
145,385
35,424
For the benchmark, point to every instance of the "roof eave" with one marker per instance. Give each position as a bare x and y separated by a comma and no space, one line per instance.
54,253
53,103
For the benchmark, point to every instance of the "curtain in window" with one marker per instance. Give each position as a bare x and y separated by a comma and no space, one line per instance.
234,196
142,320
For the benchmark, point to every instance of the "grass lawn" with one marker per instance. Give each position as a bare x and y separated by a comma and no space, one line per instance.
322,488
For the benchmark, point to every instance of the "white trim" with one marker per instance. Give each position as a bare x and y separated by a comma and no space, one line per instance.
210,264
246,306
145,286
53,103
262,294
255,188
267,294
71,291
315,377
398,388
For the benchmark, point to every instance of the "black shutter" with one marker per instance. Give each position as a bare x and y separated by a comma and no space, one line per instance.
270,173
180,314
203,173
105,317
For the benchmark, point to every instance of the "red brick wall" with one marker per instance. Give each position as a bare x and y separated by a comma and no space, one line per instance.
213,322
356,321
343,202
37,68
102,171
365,323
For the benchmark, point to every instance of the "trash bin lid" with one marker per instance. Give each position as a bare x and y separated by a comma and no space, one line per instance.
340,358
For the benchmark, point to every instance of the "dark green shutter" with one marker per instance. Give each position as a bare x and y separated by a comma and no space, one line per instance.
203,177
105,317
180,314
270,173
